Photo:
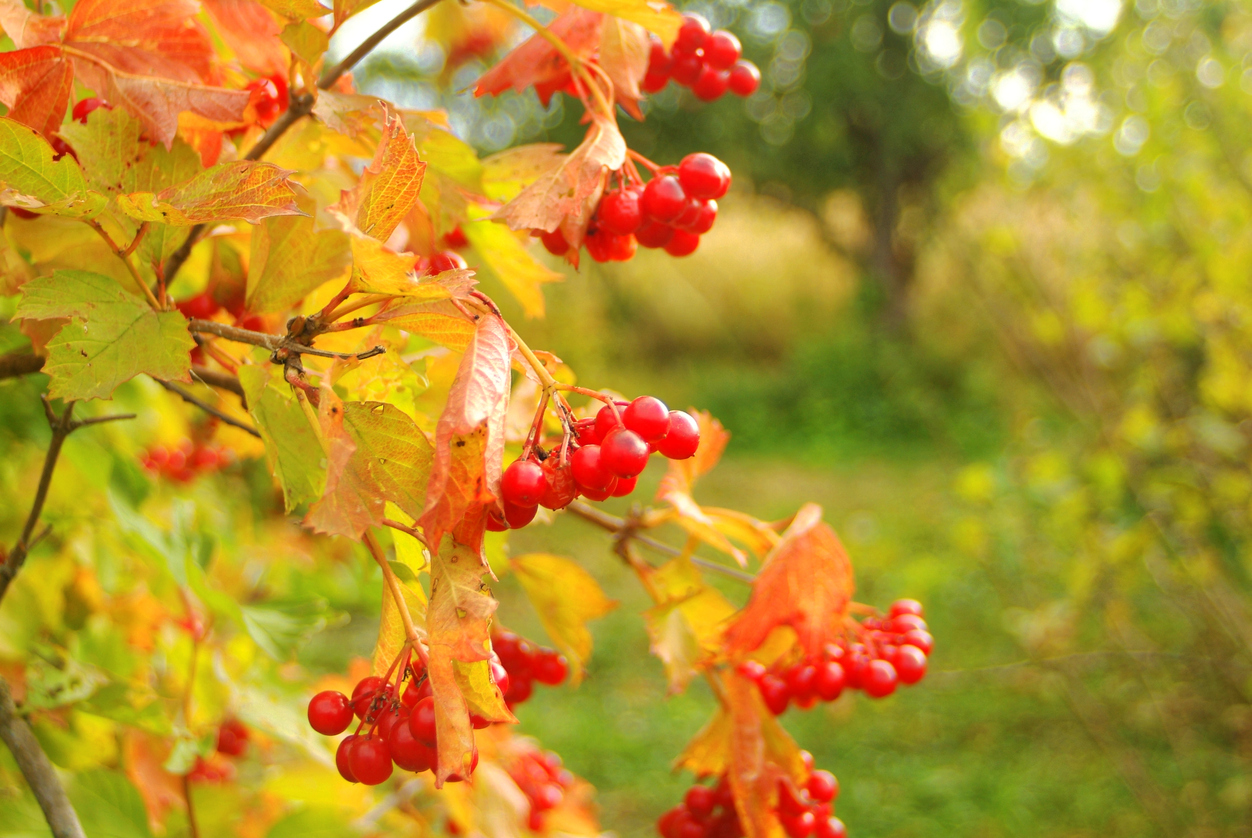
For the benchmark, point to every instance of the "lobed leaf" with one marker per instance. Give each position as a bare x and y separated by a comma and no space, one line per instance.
35,85
440,321
390,625
251,32
291,444
658,17
388,187
625,49
244,189
536,63
289,258
32,179
566,597
761,754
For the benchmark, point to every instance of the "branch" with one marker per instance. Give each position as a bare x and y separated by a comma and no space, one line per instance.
16,364
208,408
274,343
220,380
35,767
301,106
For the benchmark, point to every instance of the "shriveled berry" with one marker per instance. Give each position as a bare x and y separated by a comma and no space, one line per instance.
523,483
654,234
880,679
625,485
722,49
711,84
682,243
619,212
407,751
910,664
683,437
829,681
703,176
561,489
647,416
370,761
589,470
550,667
692,34
555,242
343,757
624,453
663,198
822,786
745,78
422,721
330,713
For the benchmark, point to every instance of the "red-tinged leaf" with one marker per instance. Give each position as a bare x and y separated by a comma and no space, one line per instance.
441,322
624,51
688,514
654,15
345,9
536,61
244,189
36,84
144,37
27,29
566,196
682,474
469,439
806,583
708,754
349,114
388,187
761,754
251,31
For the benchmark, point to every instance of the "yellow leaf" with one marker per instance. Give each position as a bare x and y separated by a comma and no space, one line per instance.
480,692
505,256
687,632
653,15
244,189
388,187
391,626
688,514
708,753
566,597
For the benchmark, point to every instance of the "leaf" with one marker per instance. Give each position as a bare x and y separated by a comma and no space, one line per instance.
36,85
625,49
110,804
144,756
291,444
469,439
761,754
349,114
806,583
536,62
378,270
685,627
377,454
708,754
688,514
280,628
682,474
388,187
116,160
345,9
295,9
444,151
157,102
657,17
306,41
566,597
251,32
289,258
26,28
243,189
512,263
481,694
440,321
390,625
508,172
501,808
566,196
30,178
112,337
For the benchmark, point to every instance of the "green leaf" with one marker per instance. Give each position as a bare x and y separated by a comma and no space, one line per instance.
512,263
109,805
21,817
243,189
291,443
282,627
445,152
30,178
290,258
112,337
305,40
295,9
116,162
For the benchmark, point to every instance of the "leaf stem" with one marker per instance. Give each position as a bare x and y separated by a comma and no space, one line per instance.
397,594
124,256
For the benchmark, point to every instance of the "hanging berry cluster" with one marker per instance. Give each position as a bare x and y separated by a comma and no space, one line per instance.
891,650
598,458
706,62
670,211
186,461
524,663
544,781
709,811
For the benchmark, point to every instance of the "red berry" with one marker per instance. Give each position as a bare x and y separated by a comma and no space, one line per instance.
330,713
523,483
455,239
830,828
622,248
519,516
364,694
711,84
547,796
624,453
700,800
619,212
910,664
589,470
683,437
920,639
496,523
829,681
745,78
343,757
500,676
422,721
658,59
775,693
654,82
625,485
790,802
265,99
85,106
520,689
687,69
561,489
692,34
61,148
555,242
407,751
799,826
390,717
822,786
663,198
654,234
752,670
370,761
607,420
667,824
722,49
200,307
585,431
600,245
447,260
703,176
689,827
698,216
802,682
880,679
682,243
905,606
232,738
806,759
647,416
906,623
550,668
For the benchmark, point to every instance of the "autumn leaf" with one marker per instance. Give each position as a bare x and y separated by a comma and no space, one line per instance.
659,18
26,28
512,263
31,179
761,754
565,597
112,335
682,474
708,754
685,626
391,626
251,32
349,114
378,270
508,172
291,444
290,257
806,583
36,84
306,42
481,694
388,187
441,322
295,9
624,52
536,61
444,151
566,196
244,189
345,9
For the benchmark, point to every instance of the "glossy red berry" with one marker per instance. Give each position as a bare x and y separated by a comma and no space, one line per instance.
455,239
370,761
654,82
624,486
687,69
775,693
905,606
802,682
550,668
647,416
800,825
85,106
910,664
654,234
561,488
232,738
722,49
422,721
496,522
745,78
880,679
343,757
607,419
330,713
682,243
624,453
752,670
659,61
829,681
619,212
703,176
519,516
389,718
364,693
599,244
830,828
447,260
500,676
711,84
601,494
588,469
520,689
700,800
822,786
200,307
692,34
407,751
683,437
555,242
622,248
920,639
663,198
523,483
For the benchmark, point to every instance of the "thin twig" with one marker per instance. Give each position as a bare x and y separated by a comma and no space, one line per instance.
220,380
367,46
397,594
191,398
120,253
38,771
275,343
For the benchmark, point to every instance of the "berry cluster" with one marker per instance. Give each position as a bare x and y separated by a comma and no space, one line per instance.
269,98
186,461
670,211
205,304
709,811
544,781
524,663
707,62
892,651
608,454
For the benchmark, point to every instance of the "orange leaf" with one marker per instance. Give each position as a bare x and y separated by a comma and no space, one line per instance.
36,84
27,29
440,321
147,37
243,189
761,754
806,583
388,187
251,31
624,51
536,61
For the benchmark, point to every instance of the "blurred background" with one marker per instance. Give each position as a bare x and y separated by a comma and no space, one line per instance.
981,289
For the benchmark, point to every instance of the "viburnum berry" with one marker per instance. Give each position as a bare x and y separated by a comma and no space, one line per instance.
700,800
519,516
268,97
663,198
367,689
692,34
722,49
683,437
822,786
880,679
752,670
232,738
555,242
687,69
330,712
370,760
85,106
407,751
447,260
343,757
703,176
619,212
682,243
802,682
745,78
711,84
500,675
561,489
659,62
654,234
550,668
920,639
599,244
906,623
607,419
624,486
601,494
622,248
830,827
588,469
647,416
905,606
910,664
422,721
523,483
829,681
455,239
775,693
800,825
200,307
624,453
